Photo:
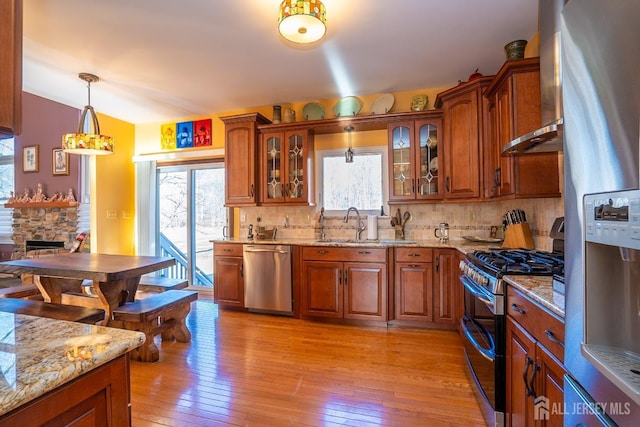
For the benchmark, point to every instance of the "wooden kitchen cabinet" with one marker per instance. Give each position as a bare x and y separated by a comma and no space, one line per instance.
445,279
286,159
414,162
413,287
535,372
348,283
464,110
228,281
10,67
513,110
240,154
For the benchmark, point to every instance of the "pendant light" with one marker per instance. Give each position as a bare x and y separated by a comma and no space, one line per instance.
88,140
302,21
348,155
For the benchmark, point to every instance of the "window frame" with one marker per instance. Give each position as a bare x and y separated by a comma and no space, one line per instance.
382,150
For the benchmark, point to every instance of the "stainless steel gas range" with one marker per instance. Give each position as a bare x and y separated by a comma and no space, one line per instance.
483,323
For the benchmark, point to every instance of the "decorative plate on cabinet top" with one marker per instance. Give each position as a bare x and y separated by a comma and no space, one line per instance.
419,102
383,104
313,111
347,106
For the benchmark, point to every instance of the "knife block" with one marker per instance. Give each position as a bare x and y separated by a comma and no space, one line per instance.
518,236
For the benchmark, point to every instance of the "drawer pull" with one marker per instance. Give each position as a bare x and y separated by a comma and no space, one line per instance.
227,250
364,252
321,251
515,307
553,338
414,265
413,255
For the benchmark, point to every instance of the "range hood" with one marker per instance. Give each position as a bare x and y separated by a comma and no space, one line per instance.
549,136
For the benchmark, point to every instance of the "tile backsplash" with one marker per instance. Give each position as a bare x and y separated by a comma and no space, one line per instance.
465,219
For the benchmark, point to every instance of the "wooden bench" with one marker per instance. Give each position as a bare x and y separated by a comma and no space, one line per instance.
161,284
21,291
162,313
52,311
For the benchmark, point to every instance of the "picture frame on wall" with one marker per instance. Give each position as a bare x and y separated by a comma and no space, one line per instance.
60,162
30,159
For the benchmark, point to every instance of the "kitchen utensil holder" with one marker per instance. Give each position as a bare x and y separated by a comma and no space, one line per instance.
518,236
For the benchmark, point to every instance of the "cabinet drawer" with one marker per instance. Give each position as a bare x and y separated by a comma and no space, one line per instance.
414,255
227,249
544,326
324,253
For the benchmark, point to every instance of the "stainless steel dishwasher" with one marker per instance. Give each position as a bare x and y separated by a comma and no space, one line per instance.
267,278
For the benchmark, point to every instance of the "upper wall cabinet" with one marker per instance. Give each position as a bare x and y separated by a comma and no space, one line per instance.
10,67
286,166
463,110
414,161
240,151
513,110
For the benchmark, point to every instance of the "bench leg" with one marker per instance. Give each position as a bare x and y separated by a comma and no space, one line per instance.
179,330
147,352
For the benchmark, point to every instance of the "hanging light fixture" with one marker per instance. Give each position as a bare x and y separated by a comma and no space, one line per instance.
302,21
348,155
88,140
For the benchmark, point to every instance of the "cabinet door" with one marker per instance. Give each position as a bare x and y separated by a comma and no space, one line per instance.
228,282
413,291
521,363
504,116
428,168
462,166
297,180
401,161
322,289
273,167
10,67
365,287
444,286
550,385
240,164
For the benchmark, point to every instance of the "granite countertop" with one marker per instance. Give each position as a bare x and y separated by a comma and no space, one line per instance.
38,354
539,289
462,245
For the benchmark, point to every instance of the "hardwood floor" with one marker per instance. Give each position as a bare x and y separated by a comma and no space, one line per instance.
261,370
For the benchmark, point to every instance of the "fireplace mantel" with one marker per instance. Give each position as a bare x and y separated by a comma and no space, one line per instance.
42,205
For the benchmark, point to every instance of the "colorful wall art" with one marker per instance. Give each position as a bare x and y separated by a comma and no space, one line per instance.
186,134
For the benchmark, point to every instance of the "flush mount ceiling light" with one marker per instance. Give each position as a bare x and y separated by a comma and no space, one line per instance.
88,140
302,21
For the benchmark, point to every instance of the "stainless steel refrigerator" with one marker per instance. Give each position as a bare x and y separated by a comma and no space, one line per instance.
601,106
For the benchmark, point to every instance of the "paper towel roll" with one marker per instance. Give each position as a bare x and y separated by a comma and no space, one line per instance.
372,227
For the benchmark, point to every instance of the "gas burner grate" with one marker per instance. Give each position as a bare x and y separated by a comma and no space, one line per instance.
520,262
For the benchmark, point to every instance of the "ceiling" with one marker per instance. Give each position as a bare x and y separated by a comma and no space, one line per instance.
162,60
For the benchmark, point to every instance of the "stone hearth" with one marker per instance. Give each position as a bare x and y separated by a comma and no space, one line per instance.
43,223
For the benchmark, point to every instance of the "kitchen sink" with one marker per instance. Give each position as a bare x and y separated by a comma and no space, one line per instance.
365,241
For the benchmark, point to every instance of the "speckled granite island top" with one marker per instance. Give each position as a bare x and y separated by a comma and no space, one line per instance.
539,289
38,354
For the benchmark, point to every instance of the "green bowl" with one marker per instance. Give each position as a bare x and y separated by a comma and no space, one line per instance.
515,49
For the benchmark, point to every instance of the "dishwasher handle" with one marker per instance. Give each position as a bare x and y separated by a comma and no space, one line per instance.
272,251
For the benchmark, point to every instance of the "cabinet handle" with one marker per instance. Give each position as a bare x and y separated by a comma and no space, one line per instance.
227,250
532,378
413,186
414,265
529,363
515,307
321,251
364,252
251,191
446,184
437,264
552,338
498,177
346,277
241,270
413,255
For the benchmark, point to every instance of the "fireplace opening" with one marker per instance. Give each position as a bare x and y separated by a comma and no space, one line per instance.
34,245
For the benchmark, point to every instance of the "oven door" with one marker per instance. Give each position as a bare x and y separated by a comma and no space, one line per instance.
483,336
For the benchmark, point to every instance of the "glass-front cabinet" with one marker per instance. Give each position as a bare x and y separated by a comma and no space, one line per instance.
414,165
285,160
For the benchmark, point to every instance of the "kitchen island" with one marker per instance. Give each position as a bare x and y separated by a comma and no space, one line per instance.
63,372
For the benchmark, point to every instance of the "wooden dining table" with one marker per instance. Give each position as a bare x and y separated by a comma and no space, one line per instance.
115,277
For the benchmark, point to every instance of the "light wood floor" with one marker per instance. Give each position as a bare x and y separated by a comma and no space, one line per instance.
261,370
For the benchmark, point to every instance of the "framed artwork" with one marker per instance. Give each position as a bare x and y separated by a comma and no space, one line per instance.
202,133
60,162
168,132
184,137
30,160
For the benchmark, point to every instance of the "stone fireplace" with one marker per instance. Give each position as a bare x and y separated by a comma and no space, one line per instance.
44,223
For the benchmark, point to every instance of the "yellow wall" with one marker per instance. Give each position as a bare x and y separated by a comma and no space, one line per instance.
113,191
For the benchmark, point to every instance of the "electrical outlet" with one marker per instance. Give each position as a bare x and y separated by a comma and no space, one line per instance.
243,217
112,214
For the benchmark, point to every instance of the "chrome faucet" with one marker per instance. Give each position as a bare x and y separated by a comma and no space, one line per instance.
359,226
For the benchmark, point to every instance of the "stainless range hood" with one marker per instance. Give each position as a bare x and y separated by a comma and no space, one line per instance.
549,136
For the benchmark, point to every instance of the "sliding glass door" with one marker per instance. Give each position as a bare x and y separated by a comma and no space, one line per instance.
190,212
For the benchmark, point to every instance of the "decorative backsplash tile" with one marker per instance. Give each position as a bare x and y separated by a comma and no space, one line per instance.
475,219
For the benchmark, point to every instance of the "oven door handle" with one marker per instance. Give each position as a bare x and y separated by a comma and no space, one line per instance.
489,354
477,292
